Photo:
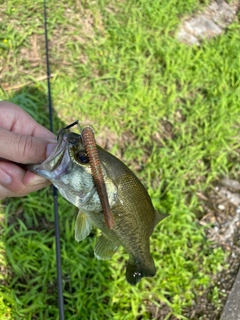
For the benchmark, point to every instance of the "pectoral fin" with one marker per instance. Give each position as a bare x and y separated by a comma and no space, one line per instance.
105,248
82,226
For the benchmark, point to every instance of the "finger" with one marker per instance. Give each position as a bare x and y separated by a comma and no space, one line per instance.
16,182
15,119
24,149
31,180
5,193
8,193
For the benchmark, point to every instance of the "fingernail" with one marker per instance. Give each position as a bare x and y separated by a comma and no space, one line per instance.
4,177
37,180
50,148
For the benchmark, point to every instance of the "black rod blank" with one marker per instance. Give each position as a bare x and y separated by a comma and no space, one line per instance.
55,194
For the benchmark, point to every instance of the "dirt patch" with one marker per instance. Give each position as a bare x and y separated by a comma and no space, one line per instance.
221,206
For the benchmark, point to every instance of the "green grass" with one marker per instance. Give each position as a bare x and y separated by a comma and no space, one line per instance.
118,66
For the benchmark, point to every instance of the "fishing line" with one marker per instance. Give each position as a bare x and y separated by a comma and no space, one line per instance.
67,127
55,194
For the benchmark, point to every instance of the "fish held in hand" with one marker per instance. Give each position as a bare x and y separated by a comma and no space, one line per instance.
134,216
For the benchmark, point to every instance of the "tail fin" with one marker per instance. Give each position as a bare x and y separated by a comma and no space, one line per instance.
135,272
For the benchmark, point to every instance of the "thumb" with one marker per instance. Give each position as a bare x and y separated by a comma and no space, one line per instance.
24,149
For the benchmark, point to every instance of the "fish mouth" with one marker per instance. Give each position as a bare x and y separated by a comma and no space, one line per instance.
60,155
60,163
47,167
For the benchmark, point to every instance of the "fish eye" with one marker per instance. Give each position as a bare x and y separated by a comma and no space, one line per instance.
82,157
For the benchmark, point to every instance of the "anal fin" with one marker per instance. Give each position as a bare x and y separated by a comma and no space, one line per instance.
82,226
105,248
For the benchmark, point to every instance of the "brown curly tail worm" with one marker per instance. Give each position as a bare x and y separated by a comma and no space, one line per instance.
89,144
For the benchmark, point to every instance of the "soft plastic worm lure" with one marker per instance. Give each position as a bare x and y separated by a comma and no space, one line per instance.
89,144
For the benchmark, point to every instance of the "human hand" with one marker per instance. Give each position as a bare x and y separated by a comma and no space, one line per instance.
22,141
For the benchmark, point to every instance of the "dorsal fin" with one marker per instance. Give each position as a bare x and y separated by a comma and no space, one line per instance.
159,217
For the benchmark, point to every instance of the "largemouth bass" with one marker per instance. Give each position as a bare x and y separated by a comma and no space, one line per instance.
134,216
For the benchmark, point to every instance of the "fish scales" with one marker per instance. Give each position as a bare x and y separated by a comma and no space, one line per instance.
68,168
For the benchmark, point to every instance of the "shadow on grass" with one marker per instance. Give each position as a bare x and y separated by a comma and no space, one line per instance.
29,244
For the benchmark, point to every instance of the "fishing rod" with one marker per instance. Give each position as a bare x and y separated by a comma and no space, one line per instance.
55,194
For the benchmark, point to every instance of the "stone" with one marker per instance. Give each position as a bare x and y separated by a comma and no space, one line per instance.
202,27
208,24
231,310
